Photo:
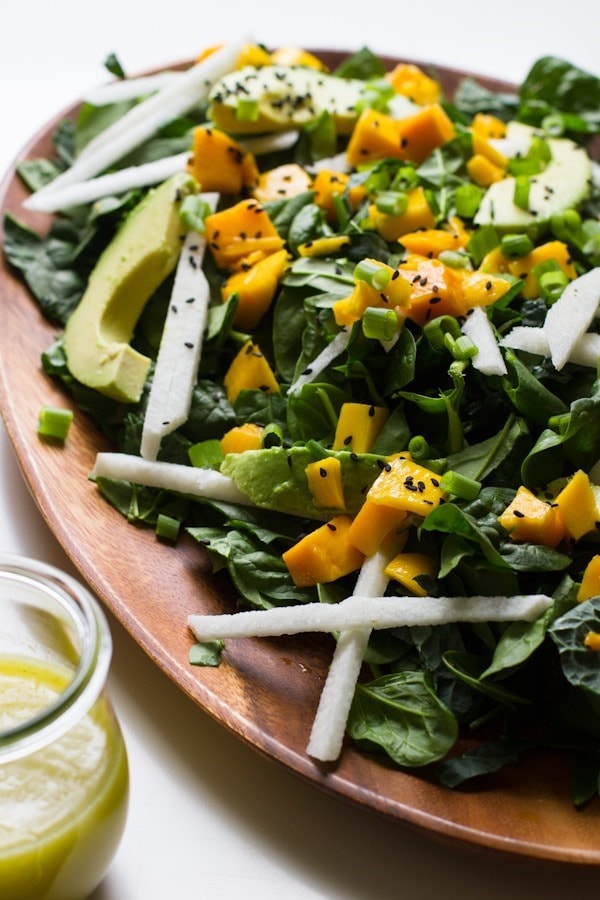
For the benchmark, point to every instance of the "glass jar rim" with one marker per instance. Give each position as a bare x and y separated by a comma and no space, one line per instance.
91,670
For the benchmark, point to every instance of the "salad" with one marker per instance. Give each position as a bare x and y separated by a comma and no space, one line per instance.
342,329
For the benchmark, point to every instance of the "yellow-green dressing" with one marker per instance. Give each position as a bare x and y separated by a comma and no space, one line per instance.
62,808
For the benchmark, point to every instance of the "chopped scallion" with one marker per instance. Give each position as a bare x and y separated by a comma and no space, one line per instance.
467,198
167,528
375,274
481,242
460,485
379,324
521,191
193,211
54,422
391,203
516,245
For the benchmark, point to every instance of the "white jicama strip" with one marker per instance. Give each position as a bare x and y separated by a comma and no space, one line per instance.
329,725
269,143
585,351
367,612
488,358
335,347
570,317
170,476
128,88
180,346
339,163
144,119
105,185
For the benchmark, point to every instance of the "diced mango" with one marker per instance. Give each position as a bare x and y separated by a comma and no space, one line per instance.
406,567
422,133
590,582
551,250
532,519
483,171
412,82
592,641
577,505
374,136
249,370
218,162
358,427
436,289
324,555
372,524
418,214
432,241
232,234
281,183
255,288
325,246
489,126
324,478
241,438
406,485
296,56
328,183
395,294
481,289
253,55
483,147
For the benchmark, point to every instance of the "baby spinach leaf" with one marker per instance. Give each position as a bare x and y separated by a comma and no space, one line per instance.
402,715
579,664
481,760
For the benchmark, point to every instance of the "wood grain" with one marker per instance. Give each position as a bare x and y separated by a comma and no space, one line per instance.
266,691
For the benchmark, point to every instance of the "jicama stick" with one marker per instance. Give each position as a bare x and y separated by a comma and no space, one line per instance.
180,346
106,185
329,724
170,476
585,351
144,119
128,88
322,360
569,318
488,358
367,612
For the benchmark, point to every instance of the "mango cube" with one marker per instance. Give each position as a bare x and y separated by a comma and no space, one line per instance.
324,554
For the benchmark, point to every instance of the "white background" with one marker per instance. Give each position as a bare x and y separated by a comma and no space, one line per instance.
208,816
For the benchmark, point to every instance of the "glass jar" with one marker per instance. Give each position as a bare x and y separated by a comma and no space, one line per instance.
63,764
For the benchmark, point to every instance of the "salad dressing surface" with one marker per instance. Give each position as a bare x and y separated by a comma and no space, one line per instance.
62,809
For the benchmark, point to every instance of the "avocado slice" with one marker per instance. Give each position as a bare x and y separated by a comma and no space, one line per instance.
141,255
276,479
281,98
563,184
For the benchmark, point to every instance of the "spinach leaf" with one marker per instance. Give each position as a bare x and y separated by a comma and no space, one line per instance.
401,714
554,85
481,760
580,665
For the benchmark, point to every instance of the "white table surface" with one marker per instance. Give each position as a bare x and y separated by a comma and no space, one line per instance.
208,815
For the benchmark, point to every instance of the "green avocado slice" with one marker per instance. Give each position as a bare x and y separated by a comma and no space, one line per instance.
283,98
141,255
275,478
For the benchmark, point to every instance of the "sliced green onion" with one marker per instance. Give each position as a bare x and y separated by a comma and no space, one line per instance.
376,275
461,348
460,485
467,198
516,245
167,527
379,324
391,203
246,110
455,259
481,242
418,447
406,177
552,284
566,225
272,436
54,422
554,124
376,94
436,330
206,454
521,191
193,211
